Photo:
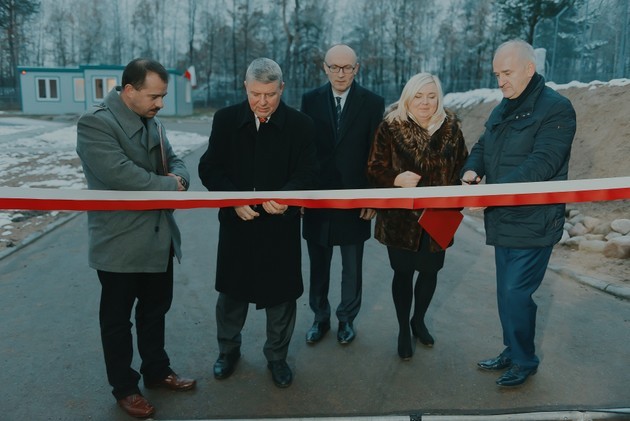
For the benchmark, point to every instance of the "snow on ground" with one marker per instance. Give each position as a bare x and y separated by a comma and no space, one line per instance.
478,96
44,157
50,158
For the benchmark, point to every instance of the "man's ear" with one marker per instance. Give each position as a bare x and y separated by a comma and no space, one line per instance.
128,88
531,69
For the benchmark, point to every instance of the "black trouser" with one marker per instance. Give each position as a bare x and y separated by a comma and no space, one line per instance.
231,316
119,292
351,281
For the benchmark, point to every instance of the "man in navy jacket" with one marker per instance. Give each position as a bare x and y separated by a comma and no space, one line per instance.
528,138
346,116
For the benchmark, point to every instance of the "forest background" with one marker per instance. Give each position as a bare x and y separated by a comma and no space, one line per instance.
584,40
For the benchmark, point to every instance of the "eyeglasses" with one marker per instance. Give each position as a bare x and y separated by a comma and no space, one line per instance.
336,69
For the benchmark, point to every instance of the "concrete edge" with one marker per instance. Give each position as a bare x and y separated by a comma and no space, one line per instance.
593,414
38,234
619,291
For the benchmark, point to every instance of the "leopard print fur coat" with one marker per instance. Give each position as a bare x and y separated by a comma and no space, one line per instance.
401,146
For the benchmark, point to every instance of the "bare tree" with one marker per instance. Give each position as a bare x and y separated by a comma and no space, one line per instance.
13,14
394,39
91,30
192,11
621,39
144,24
62,45
290,30
521,17
117,43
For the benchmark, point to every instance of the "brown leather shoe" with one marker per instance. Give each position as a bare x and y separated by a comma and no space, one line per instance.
136,406
174,382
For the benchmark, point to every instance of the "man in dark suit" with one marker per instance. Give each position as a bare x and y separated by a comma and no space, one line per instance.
346,116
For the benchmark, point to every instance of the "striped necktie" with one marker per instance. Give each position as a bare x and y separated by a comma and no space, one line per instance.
338,99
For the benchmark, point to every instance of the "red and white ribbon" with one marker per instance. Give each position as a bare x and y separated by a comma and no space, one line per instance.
573,191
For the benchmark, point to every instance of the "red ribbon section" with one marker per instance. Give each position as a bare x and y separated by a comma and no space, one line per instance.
573,191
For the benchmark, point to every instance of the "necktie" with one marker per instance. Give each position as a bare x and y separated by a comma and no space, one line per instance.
262,119
338,99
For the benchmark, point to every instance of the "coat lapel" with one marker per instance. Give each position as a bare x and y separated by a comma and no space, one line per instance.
325,104
154,132
350,111
130,123
128,120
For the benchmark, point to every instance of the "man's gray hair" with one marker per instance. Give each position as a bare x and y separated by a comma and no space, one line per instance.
523,49
264,70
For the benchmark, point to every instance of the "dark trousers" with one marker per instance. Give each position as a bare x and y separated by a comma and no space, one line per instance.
519,274
231,315
119,292
351,280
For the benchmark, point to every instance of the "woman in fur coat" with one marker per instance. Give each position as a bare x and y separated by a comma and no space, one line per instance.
418,143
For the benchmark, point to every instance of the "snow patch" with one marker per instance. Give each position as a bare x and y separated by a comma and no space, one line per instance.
478,96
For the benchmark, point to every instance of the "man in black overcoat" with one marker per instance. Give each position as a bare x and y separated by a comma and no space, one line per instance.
346,116
260,144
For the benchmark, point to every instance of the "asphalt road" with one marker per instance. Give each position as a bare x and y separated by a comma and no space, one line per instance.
52,364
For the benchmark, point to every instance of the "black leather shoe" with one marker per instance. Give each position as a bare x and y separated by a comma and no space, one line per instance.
494,364
317,332
515,376
422,333
346,333
225,365
280,373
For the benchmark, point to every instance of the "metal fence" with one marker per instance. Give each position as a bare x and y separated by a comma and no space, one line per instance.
9,98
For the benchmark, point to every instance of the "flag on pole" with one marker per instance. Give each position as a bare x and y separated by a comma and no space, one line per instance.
191,76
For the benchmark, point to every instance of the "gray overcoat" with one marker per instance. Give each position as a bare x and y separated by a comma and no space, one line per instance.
118,153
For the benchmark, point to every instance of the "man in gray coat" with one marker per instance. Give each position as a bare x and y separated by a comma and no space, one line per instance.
123,147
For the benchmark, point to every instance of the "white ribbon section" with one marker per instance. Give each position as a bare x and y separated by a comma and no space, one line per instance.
458,196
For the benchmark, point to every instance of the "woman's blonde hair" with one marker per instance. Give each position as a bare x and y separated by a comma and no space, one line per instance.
400,109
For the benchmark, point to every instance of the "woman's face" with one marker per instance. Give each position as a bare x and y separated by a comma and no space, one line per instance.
424,104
